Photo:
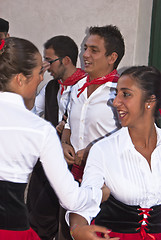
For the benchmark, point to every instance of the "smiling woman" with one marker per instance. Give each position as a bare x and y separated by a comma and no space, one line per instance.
138,100
138,95
129,162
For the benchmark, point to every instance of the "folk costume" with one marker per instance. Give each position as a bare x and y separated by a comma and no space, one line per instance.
133,210
25,138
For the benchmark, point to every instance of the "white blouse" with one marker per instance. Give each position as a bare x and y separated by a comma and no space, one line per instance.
25,137
115,162
93,117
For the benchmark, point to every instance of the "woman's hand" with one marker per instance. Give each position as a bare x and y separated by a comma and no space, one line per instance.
88,232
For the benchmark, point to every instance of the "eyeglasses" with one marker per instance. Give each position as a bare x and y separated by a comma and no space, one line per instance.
51,61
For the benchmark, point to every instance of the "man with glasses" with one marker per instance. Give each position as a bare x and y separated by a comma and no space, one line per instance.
60,55
61,52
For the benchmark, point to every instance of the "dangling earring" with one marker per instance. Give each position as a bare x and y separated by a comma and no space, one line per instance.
148,106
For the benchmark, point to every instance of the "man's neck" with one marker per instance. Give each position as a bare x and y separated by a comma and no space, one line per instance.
69,72
95,75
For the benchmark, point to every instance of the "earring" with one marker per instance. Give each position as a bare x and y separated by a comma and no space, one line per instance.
148,106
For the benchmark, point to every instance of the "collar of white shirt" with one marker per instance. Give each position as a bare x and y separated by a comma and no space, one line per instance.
12,98
125,141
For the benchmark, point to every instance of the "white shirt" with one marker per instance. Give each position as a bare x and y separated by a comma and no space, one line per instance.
93,117
115,161
25,137
63,101
40,102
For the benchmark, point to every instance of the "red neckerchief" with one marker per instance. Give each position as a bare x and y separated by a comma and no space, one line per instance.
73,79
111,77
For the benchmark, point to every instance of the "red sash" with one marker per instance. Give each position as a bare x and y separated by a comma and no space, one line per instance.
29,234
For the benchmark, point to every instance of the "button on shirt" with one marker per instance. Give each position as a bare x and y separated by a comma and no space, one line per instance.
115,161
25,137
92,117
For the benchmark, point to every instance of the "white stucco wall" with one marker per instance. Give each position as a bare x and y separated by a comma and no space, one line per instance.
39,20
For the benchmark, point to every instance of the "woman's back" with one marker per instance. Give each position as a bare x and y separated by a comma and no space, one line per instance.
22,136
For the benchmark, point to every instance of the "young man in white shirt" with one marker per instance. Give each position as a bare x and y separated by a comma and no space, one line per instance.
61,52
91,114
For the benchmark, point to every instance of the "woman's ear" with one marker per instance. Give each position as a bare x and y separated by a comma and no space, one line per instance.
151,102
20,79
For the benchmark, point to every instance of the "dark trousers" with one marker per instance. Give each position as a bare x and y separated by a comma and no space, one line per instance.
43,205
64,231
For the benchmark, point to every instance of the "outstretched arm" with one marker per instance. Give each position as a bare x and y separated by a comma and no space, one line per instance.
80,229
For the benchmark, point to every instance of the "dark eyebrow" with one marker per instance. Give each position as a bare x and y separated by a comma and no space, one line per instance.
125,89
91,46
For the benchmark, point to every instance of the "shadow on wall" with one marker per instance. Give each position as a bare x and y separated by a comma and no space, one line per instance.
120,70
82,47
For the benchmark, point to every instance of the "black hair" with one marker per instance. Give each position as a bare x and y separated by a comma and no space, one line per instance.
63,46
114,41
148,79
4,25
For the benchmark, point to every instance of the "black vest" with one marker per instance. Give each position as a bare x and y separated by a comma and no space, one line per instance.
51,103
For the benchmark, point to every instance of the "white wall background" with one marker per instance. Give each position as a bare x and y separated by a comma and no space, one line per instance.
39,20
